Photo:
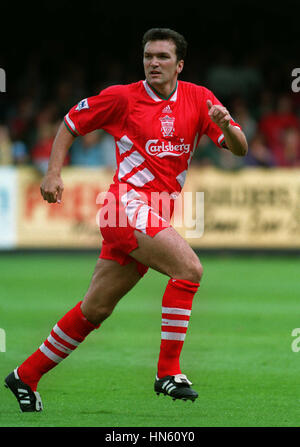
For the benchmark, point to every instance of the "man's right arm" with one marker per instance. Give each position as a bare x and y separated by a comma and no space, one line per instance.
107,111
52,185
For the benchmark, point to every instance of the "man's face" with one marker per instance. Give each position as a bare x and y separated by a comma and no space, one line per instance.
160,62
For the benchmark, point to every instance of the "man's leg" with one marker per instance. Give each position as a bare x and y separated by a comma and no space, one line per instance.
110,282
170,254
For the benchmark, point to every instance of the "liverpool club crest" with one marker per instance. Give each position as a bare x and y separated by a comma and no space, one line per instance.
167,126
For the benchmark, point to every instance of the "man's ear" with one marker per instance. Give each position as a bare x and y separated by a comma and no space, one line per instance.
180,66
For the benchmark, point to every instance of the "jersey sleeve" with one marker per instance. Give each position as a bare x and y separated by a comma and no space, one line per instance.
106,111
210,128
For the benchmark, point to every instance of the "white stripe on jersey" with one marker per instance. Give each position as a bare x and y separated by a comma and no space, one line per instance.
130,195
221,137
124,144
141,178
132,161
181,178
131,208
71,124
142,218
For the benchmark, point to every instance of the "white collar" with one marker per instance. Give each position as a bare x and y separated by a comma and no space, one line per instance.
155,97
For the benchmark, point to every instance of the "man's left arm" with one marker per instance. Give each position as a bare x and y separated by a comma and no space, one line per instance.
234,137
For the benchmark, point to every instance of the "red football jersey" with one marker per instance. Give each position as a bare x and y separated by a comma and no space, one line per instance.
155,138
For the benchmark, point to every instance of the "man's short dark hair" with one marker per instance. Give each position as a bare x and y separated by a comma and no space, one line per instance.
167,34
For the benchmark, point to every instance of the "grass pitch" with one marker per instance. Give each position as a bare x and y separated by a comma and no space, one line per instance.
237,351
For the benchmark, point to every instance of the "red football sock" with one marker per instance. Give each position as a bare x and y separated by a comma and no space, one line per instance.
66,335
176,310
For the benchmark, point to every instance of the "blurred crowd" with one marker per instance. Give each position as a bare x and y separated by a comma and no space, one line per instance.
31,114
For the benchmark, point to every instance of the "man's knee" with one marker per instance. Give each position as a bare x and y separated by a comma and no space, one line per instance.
102,312
191,270
195,272
95,312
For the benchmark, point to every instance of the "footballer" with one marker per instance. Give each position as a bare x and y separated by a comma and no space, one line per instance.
156,124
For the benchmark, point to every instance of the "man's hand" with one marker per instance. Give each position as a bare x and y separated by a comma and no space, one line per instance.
235,139
52,185
218,115
52,188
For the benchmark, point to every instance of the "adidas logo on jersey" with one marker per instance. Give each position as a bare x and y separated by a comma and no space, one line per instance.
167,109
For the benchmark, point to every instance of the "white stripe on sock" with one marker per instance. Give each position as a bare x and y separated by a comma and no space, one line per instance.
172,336
178,323
175,310
58,345
55,358
65,337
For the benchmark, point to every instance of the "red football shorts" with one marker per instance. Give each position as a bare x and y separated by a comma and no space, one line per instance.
119,217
